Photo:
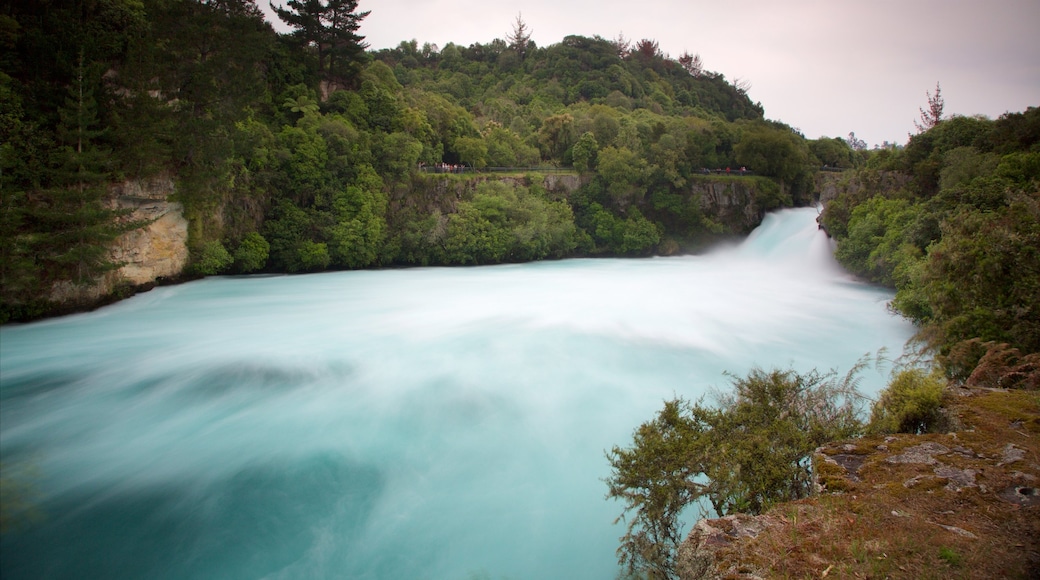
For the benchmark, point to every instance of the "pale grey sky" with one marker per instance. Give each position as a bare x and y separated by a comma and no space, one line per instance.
825,67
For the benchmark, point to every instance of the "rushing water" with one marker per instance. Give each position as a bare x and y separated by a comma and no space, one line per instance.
441,423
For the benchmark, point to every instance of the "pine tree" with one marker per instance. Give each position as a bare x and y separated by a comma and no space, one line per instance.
933,115
331,28
520,37
77,227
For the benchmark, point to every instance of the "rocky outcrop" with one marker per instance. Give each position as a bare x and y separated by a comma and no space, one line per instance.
159,249
884,503
860,184
731,203
155,251
697,555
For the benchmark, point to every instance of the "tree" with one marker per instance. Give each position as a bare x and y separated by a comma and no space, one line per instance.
648,49
623,174
555,135
746,454
80,225
982,279
768,151
692,64
933,115
331,28
520,37
856,144
584,152
832,152
622,46
252,253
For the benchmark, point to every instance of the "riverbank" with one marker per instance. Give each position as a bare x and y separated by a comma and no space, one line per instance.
962,504
427,220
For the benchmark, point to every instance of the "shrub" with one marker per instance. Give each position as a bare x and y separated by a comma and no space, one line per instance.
212,258
252,253
746,454
912,403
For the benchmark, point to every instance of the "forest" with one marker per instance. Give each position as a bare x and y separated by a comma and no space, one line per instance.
306,151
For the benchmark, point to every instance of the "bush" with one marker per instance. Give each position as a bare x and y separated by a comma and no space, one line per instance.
745,455
252,253
912,403
212,258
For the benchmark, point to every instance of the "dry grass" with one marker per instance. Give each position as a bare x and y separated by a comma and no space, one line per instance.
941,506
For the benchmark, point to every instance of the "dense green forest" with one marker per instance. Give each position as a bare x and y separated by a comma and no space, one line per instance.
305,151
952,222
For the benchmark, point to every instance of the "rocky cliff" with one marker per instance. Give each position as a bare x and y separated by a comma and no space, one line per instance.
859,184
737,204
155,251
158,250
962,504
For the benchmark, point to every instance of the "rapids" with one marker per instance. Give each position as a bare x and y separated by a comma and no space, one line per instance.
440,423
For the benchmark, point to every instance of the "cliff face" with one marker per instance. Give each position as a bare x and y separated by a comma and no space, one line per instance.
858,184
732,203
157,250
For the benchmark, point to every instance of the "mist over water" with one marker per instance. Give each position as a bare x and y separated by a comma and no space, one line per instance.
441,423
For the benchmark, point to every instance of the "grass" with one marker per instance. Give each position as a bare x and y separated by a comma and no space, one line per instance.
903,520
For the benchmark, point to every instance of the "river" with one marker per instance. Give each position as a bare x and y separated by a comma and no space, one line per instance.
440,423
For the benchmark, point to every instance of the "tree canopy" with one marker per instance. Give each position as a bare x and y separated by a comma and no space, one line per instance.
959,240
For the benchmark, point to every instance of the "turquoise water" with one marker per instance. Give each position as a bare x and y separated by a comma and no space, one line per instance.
441,423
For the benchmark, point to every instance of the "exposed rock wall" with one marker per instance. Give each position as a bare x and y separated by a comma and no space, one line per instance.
861,183
158,250
731,203
697,559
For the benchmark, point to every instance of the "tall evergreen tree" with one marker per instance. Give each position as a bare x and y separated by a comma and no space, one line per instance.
933,115
520,37
81,227
331,28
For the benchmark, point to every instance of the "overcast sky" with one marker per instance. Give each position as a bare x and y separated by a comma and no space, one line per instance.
824,67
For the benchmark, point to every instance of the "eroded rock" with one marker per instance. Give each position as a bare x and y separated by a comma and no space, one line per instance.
696,558
922,454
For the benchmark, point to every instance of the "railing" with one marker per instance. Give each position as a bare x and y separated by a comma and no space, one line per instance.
726,171
450,168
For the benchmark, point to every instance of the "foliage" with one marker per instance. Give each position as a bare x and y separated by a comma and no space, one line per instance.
508,224
251,254
877,245
834,152
959,244
211,258
911,403
993,364
330,27
933,115
743,455
309,144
